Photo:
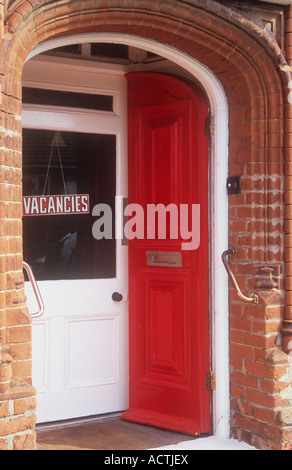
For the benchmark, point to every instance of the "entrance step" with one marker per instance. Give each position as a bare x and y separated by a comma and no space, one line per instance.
116,434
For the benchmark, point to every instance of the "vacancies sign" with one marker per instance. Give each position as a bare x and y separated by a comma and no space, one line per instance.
56,205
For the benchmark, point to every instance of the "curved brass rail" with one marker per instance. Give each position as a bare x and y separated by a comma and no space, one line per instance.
35,290
232,252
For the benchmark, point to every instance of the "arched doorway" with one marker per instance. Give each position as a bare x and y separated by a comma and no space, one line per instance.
254,70
218,174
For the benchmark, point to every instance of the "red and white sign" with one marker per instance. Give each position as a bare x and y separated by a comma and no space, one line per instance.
56,205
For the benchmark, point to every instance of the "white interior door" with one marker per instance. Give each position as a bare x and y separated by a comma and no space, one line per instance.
80,344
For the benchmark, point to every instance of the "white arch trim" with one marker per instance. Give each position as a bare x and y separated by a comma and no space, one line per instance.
218,208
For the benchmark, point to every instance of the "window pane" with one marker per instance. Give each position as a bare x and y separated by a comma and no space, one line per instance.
67,99
62,246
118,51
71,49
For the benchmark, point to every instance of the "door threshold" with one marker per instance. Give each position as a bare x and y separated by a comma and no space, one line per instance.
81,420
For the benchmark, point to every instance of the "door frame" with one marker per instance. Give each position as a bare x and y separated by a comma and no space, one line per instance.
218,203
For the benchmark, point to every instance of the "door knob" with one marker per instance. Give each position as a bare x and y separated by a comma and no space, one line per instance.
117,297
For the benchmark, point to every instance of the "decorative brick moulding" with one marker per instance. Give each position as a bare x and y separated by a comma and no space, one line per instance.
256,76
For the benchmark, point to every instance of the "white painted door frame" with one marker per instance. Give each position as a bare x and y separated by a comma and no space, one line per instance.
218,208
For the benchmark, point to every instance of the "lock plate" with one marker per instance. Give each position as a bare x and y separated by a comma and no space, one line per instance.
233,185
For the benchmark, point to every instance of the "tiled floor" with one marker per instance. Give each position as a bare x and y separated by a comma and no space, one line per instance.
116,434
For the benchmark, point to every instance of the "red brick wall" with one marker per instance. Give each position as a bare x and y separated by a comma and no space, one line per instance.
248,65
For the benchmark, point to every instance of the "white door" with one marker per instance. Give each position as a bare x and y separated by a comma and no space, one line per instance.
80,344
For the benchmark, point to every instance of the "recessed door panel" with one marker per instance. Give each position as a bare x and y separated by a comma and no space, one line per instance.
164,332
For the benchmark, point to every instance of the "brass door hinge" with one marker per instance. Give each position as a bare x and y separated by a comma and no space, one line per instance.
209,126
211,380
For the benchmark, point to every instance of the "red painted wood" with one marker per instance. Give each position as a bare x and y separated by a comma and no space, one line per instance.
169,307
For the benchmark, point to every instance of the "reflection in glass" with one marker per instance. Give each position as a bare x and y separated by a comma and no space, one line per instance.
62,246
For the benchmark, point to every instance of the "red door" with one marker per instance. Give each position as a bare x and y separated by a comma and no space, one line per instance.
169,264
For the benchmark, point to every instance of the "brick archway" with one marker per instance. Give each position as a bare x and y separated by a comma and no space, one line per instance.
248,65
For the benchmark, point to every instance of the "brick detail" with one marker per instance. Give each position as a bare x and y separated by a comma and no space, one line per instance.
17,417
286,330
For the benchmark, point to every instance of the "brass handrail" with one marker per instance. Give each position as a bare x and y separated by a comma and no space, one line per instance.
232,252
35,290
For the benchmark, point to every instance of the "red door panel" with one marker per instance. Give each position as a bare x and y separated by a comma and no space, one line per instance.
169,285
